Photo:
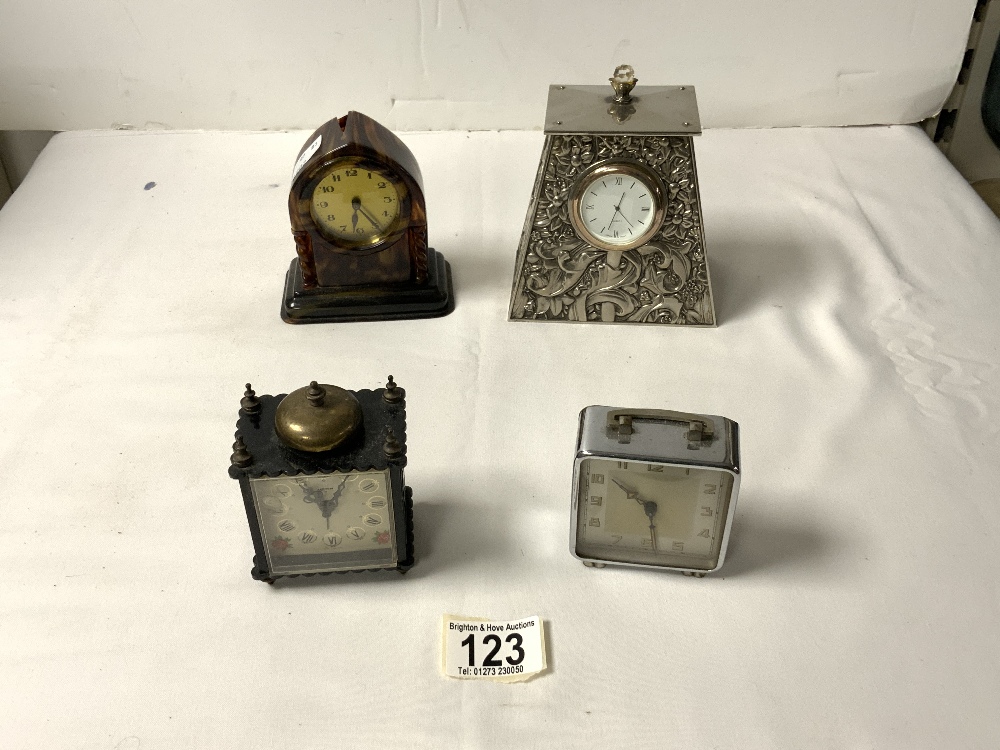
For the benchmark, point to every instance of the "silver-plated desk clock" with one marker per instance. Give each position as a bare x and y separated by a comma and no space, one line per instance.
654,488
614,226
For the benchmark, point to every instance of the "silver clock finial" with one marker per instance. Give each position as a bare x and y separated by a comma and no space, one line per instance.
623,81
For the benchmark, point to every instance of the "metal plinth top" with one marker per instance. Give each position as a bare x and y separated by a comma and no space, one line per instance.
651,110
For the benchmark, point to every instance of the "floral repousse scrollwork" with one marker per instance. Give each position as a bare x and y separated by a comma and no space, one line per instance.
564,278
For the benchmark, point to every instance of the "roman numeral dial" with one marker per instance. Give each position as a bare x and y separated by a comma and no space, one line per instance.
617,206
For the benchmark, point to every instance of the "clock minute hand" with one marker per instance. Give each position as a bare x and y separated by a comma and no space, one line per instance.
618,210
369,217
630,494
331,505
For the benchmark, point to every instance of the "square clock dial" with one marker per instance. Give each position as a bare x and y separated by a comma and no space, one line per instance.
654,488
326,522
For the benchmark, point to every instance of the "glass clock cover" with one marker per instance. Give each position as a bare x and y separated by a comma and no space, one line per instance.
653,513
357,202
326,522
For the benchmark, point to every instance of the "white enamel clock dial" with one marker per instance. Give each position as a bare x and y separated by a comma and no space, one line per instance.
617,206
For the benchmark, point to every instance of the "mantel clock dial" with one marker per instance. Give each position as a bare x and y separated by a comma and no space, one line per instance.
614,227
321,472
654,488
360,227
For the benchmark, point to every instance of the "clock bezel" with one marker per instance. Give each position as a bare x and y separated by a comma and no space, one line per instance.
593,441
614,167
318,171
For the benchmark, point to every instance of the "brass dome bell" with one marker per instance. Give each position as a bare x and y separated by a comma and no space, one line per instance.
317,418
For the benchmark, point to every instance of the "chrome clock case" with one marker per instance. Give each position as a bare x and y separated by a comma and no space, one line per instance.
565,273
637,443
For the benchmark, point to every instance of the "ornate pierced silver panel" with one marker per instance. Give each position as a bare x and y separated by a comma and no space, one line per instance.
567,273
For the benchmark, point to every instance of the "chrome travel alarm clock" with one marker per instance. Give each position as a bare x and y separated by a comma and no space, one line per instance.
360,226
654,488
321,471
614,226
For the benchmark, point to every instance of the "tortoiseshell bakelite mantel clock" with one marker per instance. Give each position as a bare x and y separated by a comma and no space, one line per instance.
360,228
321,471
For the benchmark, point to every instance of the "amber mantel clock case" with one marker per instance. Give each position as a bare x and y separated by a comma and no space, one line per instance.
360,226
614,226
321,473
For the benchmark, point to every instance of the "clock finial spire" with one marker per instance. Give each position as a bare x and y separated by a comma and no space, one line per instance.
250,403
393,393
392,448
241,457
623,81
315,394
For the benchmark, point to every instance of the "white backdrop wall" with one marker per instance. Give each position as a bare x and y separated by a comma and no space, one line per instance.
467,64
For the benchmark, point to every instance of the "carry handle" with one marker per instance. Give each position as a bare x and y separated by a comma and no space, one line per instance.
701,429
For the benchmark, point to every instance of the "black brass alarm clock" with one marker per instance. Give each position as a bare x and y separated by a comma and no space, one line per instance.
321,471
360,226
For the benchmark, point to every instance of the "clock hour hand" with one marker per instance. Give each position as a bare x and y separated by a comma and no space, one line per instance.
650,509
331,505
618,210
355,204
326,504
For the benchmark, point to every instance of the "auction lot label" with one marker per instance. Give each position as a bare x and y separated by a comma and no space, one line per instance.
475,649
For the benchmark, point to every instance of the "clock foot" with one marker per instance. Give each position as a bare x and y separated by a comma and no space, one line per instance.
693,574
386,302
593,564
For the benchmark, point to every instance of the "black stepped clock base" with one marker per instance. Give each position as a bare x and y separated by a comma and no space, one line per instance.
259,574
344,305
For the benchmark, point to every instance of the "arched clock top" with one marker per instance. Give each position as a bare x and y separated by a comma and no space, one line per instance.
356,134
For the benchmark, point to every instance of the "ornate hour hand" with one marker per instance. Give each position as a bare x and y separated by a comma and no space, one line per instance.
326,504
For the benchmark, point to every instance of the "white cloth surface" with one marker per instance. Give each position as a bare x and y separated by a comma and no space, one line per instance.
856,279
